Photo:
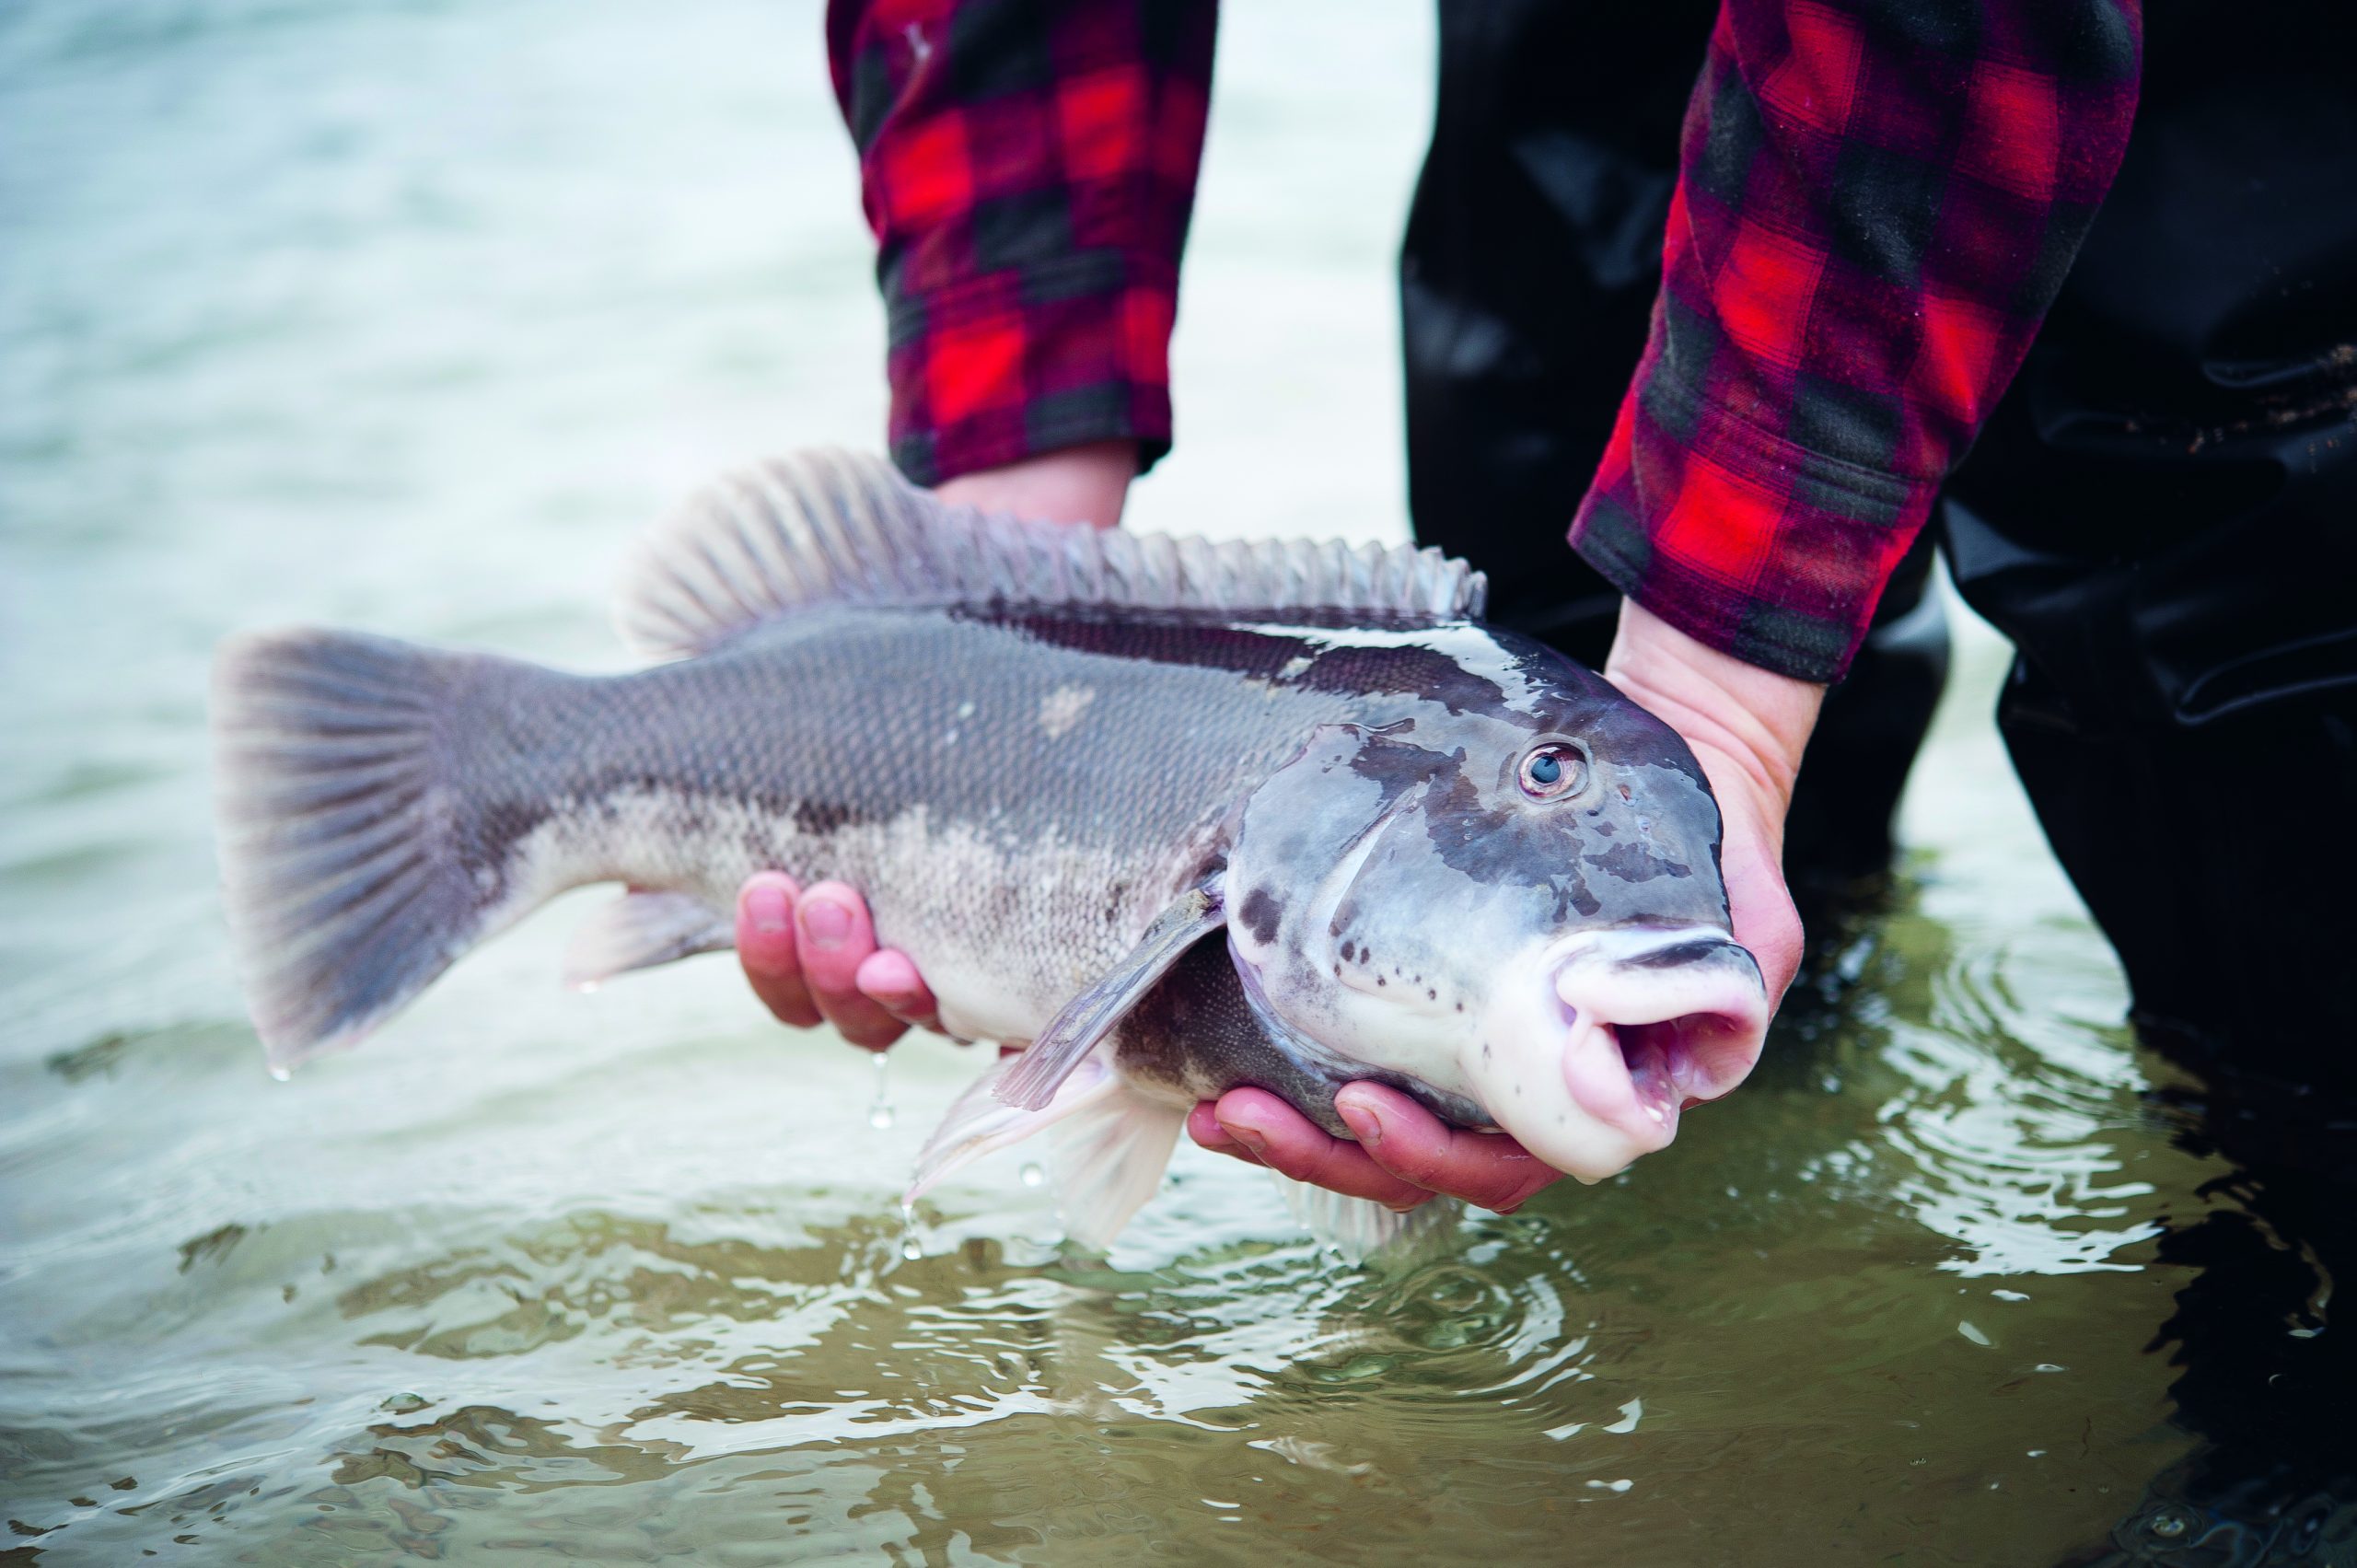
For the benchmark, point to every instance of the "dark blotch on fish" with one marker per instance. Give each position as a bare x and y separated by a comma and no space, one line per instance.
1261,915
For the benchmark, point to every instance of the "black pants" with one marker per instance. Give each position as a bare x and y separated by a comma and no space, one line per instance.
2161,514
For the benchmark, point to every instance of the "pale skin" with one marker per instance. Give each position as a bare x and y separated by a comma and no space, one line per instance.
812,955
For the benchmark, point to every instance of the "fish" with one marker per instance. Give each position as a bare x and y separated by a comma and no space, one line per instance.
1172,816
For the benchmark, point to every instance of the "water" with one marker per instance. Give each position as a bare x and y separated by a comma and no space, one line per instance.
406,315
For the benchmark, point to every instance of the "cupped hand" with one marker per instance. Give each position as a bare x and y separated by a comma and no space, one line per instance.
1404,1155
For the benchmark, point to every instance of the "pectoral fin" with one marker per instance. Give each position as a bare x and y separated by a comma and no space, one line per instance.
1072,1034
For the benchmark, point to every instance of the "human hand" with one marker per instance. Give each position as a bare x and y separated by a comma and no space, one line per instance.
813,957
1404,1155
1748,728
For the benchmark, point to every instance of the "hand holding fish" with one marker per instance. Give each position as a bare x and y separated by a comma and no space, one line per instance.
1748,728
1404,1155
1187,818
814,960
829,970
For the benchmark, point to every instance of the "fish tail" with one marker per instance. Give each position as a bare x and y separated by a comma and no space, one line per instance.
341,826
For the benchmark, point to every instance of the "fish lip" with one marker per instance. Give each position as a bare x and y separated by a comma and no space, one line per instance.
1658,1019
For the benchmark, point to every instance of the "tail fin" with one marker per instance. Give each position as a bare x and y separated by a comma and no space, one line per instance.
339,830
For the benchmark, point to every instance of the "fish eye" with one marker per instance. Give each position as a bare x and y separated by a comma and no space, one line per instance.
1552,771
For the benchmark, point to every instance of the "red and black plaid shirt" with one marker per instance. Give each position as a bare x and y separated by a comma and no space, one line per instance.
1876,203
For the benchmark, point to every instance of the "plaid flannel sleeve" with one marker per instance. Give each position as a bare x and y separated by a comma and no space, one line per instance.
1028,168
1877,201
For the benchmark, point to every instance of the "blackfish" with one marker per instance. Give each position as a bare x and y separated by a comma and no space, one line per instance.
1176,816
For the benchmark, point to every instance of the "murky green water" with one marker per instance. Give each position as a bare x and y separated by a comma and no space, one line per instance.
405,316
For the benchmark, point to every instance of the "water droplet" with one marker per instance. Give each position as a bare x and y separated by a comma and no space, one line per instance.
879,1110
912,1244
1033,1176
281,1074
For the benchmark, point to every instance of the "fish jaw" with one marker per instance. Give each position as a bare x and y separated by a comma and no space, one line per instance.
1596,1045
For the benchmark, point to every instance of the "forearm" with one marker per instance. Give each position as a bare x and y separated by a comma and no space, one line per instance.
1086,484
1758,719
1028,173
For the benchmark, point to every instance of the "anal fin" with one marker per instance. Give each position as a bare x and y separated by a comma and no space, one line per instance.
1110,1162
979,1122
639,930
1111,1148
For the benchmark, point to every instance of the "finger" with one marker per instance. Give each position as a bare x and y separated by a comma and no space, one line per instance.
1289,1142
836,936
765,946
889,978
1203,1125
1413,1146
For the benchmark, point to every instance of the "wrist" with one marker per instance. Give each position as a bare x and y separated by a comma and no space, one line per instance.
1756,719
1074,485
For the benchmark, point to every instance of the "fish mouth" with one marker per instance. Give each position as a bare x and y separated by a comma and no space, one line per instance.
1658,1021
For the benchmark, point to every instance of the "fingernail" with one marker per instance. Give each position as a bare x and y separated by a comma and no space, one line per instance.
826,923
767,907
1363,1122
1251,1137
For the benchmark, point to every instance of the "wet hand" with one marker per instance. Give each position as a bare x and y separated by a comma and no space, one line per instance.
812,956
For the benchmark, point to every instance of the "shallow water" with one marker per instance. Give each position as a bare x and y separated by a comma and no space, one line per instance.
405,316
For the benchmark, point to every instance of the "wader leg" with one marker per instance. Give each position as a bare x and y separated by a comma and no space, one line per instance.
2162,517
2162,514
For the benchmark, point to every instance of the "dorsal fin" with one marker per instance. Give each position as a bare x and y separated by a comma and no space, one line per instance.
833,527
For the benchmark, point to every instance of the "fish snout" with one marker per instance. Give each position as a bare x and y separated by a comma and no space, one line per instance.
1658,1021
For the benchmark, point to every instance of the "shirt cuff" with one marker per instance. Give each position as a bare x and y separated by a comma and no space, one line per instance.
1741,538
1020,363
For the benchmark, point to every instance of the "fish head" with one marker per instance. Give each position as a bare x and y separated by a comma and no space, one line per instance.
1512,895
